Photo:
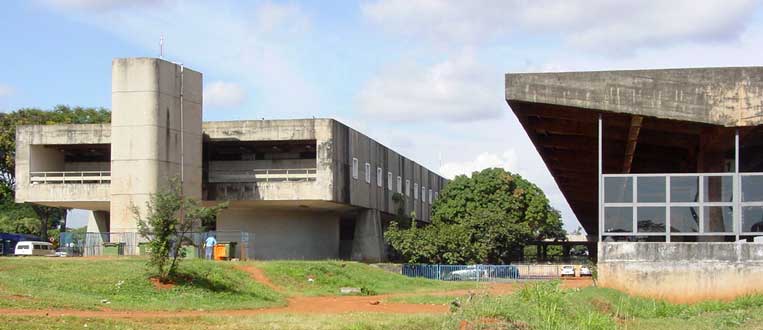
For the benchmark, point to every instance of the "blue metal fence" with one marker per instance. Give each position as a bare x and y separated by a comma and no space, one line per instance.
462,272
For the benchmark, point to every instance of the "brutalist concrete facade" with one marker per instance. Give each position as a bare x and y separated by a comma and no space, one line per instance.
306,188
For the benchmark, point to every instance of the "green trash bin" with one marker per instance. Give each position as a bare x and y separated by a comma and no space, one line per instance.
144,249
230,249
113,249
191,252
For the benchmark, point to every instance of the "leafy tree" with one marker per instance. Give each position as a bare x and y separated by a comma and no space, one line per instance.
480,219
169,219
46,216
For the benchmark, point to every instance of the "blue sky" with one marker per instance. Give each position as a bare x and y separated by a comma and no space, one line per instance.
422,76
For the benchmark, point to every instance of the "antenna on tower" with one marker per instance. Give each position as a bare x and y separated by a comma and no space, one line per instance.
161,46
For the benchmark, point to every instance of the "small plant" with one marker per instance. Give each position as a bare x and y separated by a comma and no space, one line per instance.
169,219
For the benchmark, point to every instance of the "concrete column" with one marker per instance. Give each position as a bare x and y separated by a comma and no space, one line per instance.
146,133
368,241
98,221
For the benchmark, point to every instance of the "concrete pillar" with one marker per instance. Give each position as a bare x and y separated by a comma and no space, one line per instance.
146,133
368,240
98,221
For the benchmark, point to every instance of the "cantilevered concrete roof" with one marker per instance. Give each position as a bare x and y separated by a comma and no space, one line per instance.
674,120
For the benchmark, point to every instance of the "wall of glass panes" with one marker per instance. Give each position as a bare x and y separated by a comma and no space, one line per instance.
682,204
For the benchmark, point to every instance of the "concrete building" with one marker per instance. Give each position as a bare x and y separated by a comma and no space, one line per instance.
307,189
663,167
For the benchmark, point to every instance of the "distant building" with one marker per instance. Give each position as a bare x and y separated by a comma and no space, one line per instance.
307,189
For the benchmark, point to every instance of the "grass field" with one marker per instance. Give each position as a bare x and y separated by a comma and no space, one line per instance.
329,276
123,283
83,283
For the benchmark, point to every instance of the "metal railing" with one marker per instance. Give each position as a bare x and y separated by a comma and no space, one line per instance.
484,273
264,175
70,177
132,243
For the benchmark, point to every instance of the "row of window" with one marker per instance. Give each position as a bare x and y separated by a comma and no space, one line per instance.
379,182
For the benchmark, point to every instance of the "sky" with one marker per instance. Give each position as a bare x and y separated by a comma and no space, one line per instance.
424,77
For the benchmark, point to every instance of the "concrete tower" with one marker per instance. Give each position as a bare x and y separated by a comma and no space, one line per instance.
155,126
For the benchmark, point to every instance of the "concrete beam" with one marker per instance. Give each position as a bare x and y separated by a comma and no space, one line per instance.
630,148
721,96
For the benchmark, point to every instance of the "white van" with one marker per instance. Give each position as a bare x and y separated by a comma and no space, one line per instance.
34,248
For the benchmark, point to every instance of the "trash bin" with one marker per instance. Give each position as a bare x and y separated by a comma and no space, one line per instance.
113,249
144,249
190,251
225,250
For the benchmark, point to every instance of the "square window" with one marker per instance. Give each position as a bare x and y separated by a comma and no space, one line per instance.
618,219
618,190
430,196
408,187
684,219
415,191
423,194
718,188
752,188
399,185
752,219
718,219
379,178
651,189
650,219
355,168
684,189
368,173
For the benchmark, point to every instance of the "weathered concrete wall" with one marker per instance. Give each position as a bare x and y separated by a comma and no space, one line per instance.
368,243
266,191
682,272
33,155
147,136
721,96
286,234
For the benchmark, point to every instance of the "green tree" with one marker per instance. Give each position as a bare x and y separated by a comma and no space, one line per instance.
47,216
169,219
484,218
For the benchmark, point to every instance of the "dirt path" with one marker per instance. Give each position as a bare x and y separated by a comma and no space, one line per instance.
296,305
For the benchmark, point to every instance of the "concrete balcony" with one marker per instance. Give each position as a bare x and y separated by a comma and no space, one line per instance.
265,184
80,177
86,190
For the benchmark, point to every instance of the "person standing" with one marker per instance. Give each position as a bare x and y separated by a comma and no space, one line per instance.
210,245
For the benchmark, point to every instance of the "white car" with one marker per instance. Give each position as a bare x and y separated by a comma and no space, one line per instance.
567,270
469,273
34,248
585,271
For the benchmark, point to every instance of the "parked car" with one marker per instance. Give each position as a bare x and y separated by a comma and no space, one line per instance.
61,252
468,273
34,248
585,271
567,270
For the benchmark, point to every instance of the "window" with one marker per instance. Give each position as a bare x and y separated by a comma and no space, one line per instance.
379,178
423,194
408,187
389,181
436,194
368,173
415,191
399,185
355,168
430,196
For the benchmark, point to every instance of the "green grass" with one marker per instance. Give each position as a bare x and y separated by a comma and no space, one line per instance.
329,276
123,282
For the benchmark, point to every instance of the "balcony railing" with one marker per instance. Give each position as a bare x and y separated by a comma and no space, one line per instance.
264,175
70,177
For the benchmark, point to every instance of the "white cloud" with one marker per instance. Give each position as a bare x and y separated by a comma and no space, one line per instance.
257,45
602,25
6,90
223,94
457,89
506,160
100,5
